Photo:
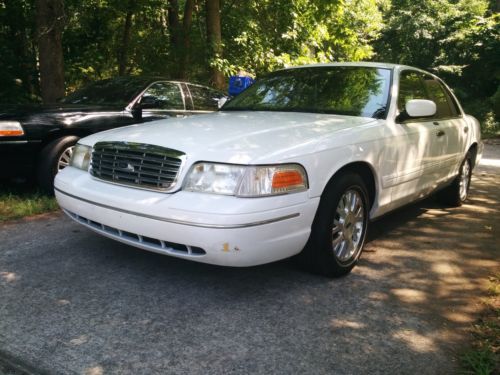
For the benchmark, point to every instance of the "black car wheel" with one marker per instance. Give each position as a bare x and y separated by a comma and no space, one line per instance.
456,194
54,157
339,227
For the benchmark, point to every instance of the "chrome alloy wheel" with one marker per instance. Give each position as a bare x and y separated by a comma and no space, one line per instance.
348,226
464,180
64,159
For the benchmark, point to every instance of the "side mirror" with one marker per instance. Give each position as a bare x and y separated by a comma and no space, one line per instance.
420,108
222,101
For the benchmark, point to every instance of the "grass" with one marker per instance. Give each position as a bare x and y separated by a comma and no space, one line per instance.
484,356
21,200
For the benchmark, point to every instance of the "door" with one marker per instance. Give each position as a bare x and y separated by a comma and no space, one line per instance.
413,155
451,125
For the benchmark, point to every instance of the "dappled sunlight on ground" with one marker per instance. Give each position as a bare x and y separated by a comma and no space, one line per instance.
94,306
9,276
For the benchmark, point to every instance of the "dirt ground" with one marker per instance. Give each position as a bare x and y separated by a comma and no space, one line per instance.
74,302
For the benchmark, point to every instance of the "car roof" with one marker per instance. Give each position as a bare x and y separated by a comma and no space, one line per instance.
147,80
358,63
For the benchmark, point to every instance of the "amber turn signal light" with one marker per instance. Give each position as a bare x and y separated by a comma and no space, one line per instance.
10,129
286,179
10,133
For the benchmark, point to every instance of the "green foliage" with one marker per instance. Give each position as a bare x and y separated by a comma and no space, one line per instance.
17,202
483,358
18,74
457,39
272,34
478,362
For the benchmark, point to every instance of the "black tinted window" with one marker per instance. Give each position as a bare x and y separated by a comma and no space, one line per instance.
163,95
410,87
204,99
355,91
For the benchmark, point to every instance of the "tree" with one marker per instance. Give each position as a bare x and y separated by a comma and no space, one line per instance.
50,19
124,47
458,39
180,35
214,42
271,34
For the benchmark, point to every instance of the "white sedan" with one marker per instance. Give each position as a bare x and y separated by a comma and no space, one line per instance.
298,164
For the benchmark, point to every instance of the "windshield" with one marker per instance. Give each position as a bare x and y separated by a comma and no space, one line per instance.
109,91
343,90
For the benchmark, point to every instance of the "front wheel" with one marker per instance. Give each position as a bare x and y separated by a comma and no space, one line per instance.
339,228
54,157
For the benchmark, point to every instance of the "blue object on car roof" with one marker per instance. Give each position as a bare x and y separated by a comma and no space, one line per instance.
238,84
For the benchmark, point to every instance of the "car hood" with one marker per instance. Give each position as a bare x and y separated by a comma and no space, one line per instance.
236,137
28,113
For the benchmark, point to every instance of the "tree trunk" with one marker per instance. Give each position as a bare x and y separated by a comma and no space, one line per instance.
19,43
186,38
174,30
50,19
123,53
214,39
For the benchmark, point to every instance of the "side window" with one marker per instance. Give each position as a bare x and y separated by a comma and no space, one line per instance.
204,99
163,95
440,97
410,87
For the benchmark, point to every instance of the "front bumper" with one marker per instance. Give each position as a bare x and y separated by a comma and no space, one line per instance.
213,229
18,158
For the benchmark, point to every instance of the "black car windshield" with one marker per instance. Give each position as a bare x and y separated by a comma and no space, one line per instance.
115,91
343,90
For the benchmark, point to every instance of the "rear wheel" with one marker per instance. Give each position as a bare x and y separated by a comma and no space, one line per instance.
339,228
456,194
55,156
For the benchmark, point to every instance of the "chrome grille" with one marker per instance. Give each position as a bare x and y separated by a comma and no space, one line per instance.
135,164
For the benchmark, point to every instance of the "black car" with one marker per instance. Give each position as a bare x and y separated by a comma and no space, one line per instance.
38,140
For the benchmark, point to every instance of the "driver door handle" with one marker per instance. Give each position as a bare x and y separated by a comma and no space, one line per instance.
440,133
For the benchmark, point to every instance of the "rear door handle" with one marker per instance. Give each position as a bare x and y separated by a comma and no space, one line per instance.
466,129
440,133
435,123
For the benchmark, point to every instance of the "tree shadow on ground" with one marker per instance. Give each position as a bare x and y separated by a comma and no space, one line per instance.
89,304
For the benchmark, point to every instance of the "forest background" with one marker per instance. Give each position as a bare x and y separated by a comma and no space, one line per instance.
51,47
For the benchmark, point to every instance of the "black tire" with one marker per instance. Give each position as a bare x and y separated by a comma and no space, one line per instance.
319,255
49,159
456,194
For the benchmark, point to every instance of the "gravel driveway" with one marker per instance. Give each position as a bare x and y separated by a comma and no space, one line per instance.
74,302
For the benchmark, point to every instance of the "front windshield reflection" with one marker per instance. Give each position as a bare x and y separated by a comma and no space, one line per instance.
346,90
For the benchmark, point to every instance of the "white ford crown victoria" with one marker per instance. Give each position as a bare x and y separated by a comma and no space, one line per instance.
298,164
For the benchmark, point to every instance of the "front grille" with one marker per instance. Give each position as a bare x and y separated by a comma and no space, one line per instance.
135,164
153,244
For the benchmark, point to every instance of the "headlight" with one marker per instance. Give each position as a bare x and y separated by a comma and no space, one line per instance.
214,178
81,157
246,181
11,129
